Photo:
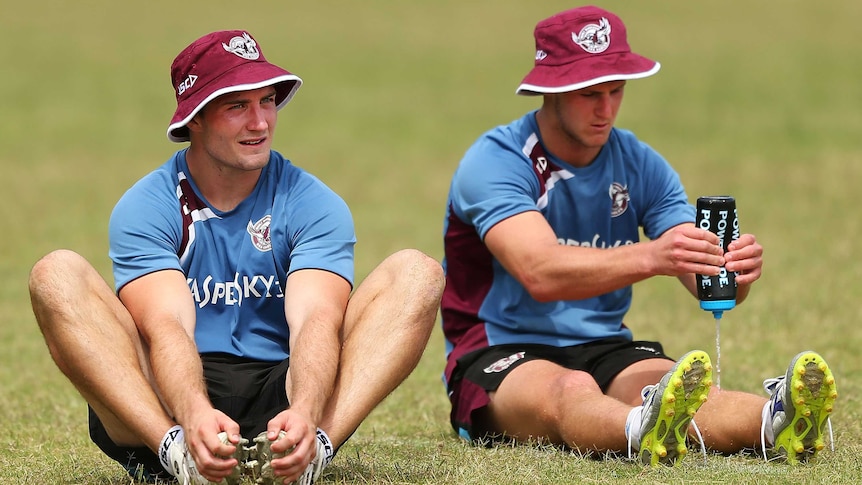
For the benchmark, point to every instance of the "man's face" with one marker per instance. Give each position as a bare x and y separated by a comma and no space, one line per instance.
584,118
234,131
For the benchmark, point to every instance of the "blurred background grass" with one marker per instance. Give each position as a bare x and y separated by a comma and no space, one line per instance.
759,100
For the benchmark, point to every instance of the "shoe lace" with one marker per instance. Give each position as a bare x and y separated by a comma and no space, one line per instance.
699,439
311,473
772,386
629,434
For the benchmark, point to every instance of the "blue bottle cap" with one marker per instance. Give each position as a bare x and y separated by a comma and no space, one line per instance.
717,307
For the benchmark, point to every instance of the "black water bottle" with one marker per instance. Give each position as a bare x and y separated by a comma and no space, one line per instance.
717,214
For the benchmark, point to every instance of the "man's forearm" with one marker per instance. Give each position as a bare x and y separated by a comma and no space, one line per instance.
313,368
178,374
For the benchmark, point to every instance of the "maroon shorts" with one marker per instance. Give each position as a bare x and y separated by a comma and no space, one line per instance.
483,370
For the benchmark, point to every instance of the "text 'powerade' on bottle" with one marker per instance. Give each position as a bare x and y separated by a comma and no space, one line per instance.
717,214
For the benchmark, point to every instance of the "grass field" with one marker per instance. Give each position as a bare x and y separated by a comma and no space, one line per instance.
756,101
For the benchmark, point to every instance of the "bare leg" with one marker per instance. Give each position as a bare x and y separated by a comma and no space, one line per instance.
730,420
628,385
542,401
387,325
94,342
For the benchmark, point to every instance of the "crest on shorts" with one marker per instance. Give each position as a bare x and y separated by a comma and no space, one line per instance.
619,194
504,363
594,38
259,232
244,47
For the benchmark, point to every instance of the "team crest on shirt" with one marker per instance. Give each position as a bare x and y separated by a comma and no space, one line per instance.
594,38
244,47
619,198
259,232
504,363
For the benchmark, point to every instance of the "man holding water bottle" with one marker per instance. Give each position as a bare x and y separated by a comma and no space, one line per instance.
541,242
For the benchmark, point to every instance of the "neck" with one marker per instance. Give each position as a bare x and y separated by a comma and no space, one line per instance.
563,145
222,186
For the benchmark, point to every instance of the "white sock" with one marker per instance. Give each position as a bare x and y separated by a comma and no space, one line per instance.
766,416
173,435
323,438
633,426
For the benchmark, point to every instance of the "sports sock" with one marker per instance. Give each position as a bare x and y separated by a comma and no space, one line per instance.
327,446
766,416
175,434
633,426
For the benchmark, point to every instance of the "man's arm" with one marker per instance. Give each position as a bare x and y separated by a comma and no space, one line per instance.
527,247
315,302
162,307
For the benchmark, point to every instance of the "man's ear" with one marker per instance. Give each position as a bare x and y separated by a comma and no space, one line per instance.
194,124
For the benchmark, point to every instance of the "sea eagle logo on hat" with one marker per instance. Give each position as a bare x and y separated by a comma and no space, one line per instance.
244,47
594,38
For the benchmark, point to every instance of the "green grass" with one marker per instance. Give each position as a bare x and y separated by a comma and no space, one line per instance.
753,100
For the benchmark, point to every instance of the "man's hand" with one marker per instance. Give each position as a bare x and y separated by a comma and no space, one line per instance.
686,249
208,451
745,257
298,443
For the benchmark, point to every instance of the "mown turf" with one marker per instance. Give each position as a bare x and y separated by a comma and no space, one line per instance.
758,100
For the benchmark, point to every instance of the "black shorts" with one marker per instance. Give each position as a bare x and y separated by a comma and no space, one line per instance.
483,370
250,392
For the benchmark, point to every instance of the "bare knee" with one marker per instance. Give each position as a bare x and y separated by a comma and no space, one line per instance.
60,281
570,387
538,401
567,388
58,261
406,286
55,271
411,268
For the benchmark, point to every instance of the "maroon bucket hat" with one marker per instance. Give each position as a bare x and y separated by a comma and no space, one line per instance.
582,47
219,63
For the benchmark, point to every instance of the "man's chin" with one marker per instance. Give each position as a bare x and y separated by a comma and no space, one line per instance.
259,155
247,161
599,139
